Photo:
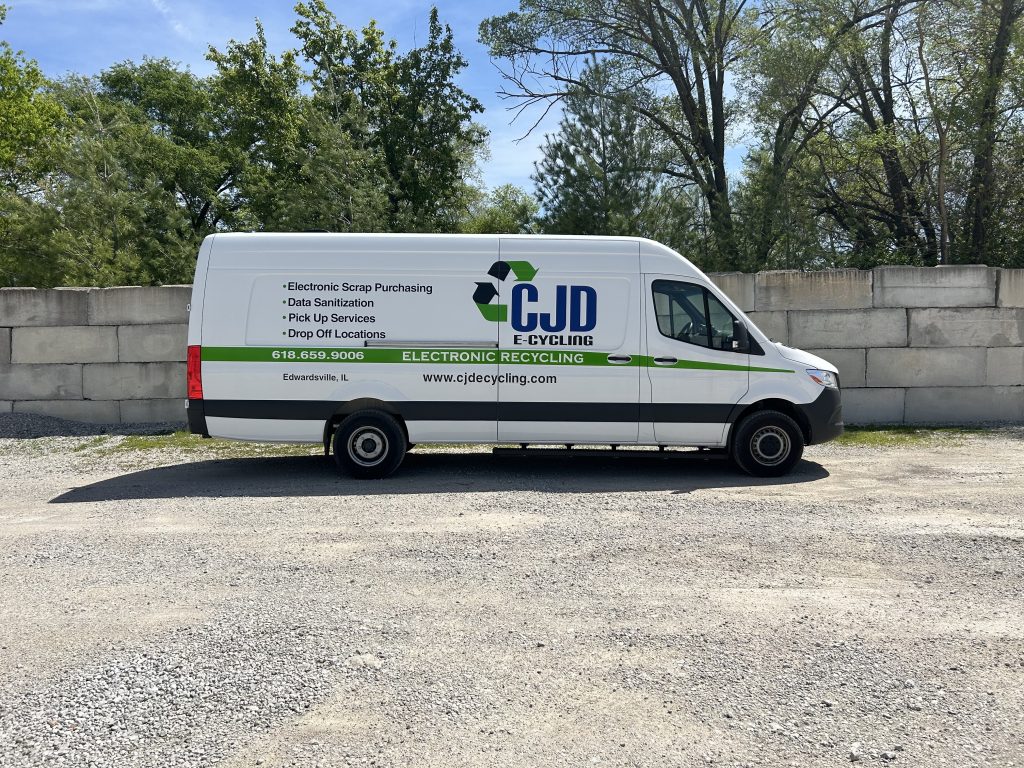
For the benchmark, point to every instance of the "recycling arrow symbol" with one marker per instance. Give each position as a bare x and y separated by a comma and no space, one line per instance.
486,293
523,270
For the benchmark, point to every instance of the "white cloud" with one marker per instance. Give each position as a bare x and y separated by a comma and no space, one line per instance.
172,19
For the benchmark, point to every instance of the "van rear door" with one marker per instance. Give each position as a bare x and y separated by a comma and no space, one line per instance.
695,374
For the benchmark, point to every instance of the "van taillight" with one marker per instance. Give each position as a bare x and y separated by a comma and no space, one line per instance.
194,372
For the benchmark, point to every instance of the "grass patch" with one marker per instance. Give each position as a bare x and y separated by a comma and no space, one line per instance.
94,442
890,437
185,442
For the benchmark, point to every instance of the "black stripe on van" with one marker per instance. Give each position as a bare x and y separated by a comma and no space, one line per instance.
470,410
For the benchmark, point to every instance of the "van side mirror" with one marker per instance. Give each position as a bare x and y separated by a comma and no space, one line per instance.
740,337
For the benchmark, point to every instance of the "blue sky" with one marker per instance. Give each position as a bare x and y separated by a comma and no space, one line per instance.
86,36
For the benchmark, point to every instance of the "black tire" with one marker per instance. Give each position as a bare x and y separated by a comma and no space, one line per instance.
369,444
767,444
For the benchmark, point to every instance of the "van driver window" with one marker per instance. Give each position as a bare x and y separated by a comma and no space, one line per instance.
689,313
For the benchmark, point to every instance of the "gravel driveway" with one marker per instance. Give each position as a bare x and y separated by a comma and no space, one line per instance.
161,607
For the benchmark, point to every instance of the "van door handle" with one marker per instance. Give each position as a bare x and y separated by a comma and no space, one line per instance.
619,359
665,361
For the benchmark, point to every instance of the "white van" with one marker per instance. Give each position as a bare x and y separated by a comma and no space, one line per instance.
375,342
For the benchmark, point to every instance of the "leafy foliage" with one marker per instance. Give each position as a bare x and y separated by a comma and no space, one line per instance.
873,131
116,178
507,210
885,132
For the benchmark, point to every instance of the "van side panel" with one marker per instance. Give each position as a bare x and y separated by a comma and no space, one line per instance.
570,365
305,326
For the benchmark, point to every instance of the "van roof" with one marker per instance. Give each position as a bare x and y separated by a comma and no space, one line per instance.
655,257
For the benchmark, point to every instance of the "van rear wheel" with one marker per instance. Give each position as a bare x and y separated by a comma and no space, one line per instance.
369,444
767,444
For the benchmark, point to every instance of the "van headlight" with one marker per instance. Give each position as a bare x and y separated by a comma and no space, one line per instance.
824,378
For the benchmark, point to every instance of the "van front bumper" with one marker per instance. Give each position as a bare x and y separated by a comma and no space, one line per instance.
824,417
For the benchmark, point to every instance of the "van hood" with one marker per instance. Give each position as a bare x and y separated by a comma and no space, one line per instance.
806,358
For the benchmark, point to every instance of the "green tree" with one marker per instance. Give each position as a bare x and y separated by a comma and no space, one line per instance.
108,222
415,115
334,183
604,172
506,210
999,22
784,79
680,54
29,118
169,126
258,116
599,171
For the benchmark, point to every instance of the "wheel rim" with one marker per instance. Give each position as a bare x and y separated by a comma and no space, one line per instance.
770,446
367,446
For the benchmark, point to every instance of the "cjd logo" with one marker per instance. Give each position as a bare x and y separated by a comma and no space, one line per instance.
575,305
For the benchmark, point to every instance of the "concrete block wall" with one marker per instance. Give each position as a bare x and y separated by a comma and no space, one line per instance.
101,355
941,345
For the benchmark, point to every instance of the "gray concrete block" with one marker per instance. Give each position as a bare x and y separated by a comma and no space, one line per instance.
964,405
773,324
139,306
949,286
6,406
1005,366
738,286
91,411
5,345
850,362
873,405
983,327
65,344
150,411
151,343
134,381
950,367
848,329
41,382
33,306
826,289
1011,288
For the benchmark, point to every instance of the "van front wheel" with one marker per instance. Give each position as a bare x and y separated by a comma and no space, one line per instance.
369,444
767,444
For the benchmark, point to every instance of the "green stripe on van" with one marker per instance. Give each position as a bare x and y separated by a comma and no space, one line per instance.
451,356
700,365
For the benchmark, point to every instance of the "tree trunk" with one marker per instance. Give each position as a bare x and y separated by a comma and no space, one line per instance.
978,209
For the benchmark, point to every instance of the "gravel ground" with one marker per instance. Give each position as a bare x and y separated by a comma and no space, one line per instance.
171,607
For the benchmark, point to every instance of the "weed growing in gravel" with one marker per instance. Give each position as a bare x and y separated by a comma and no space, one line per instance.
184,442
95,442
894,437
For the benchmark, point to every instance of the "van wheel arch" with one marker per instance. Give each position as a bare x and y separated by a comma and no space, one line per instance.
346,409
772,404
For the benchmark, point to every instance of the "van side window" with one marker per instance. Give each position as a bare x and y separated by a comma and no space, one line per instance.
690,313
722,326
